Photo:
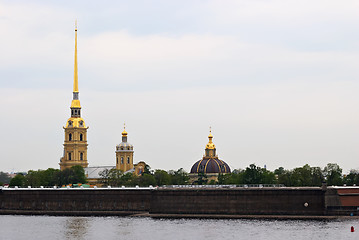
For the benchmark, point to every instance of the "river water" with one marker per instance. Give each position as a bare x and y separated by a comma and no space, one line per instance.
47,227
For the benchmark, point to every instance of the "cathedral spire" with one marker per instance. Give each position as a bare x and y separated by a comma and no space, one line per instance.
76,76
75,144
75,99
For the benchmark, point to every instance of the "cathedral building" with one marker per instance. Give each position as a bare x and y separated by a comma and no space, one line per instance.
75,144
210,164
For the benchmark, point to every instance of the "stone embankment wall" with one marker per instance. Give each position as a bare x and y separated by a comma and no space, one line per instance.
180,201
75,201
257,201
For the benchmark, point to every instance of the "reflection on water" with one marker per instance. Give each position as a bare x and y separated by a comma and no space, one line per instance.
53,228
76,228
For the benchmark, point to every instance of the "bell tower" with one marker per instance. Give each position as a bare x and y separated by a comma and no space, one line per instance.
75,144
124,154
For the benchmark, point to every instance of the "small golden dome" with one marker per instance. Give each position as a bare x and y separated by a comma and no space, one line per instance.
124,133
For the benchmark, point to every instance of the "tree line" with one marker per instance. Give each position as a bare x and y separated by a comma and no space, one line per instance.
300,176
49,177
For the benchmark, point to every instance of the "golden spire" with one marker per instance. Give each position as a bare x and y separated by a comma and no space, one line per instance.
124,133
75,99
76,76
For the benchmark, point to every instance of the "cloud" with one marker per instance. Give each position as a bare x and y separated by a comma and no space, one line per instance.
275,80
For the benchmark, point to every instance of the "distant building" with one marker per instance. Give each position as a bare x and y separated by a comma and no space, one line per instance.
124,162
210,164
75,144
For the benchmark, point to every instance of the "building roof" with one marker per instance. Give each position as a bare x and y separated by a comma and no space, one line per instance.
210,165
94,172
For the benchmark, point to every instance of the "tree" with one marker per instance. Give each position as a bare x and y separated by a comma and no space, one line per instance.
202,179
252,175
78,174
302,176
317,176
179,177
18,180
147,180
162,177
333,174
105,175
129,179
73,175
4,178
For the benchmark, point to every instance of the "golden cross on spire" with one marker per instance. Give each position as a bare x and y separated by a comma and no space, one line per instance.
124,125
210,129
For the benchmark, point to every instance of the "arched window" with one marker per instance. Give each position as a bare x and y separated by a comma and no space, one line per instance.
70,137
81,156
121,160
81,137
128,160
69,156
117,160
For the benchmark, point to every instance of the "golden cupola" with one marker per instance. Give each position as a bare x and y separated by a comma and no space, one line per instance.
210,144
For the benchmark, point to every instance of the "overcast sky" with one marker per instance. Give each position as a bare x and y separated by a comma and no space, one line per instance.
277,80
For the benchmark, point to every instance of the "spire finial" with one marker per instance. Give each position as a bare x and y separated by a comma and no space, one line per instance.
76,77
124,133
210,129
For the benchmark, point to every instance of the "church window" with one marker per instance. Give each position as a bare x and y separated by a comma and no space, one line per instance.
81,123
128,160
81,156
81,138
117,160
69,156
79,111
121,160
122,148
70,137
70,123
